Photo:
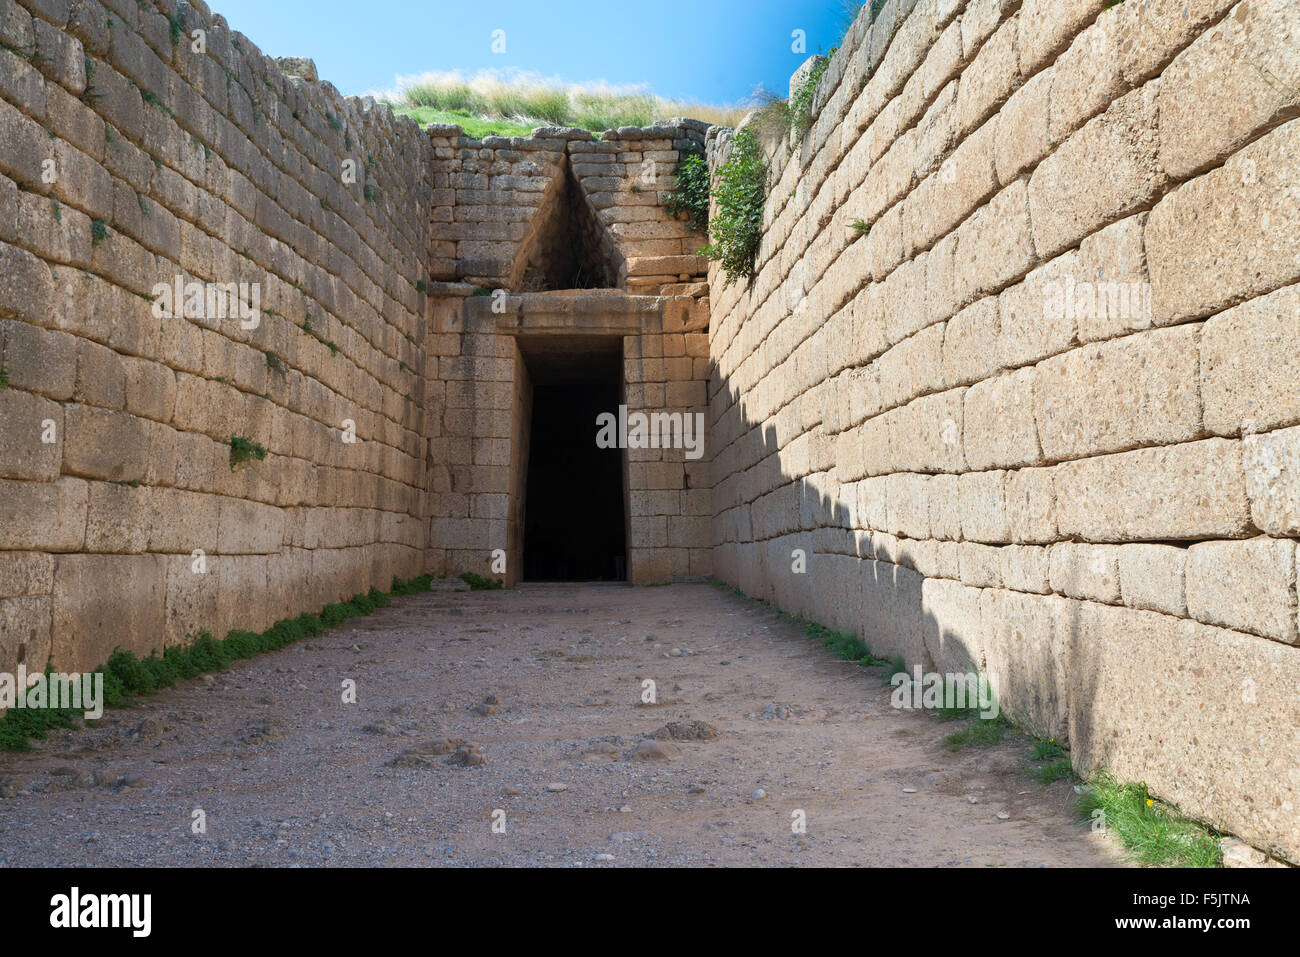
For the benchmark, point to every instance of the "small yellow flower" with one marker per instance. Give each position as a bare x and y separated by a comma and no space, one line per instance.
1150,802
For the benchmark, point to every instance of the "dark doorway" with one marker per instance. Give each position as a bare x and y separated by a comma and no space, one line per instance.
574,526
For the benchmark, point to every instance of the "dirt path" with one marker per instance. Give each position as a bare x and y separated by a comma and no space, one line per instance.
286,774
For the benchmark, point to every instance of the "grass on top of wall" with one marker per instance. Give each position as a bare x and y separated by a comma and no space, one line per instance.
127,677
490,104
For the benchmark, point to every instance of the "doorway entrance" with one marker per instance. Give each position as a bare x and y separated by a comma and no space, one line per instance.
575,512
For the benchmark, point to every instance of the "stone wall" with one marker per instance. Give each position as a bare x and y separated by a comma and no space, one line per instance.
560,234
131,155
481,404
1037,413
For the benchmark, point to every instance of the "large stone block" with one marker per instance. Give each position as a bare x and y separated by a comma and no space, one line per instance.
27,421
25,573
1247,586
50,516
1250,365
1026,568
38,360
994,245
970,343
25,633
1229,235
1253,56
249,528
1036,321
1139,390
104,602
1023,138
1071,194
1086,571
891,618
1152,578
1047,26
1205,716
999,428
1026,638
983,504
1111,294
101,444
1272,464
953,626
117,518
1191,491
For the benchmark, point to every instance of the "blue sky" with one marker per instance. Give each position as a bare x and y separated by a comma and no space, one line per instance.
715,51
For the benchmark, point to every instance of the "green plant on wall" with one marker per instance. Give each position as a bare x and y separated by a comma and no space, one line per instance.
692,194
799,109
244,450
740,189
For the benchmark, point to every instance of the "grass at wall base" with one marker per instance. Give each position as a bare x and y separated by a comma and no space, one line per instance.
127,677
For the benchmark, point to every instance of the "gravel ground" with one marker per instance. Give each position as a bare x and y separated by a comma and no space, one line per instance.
528,702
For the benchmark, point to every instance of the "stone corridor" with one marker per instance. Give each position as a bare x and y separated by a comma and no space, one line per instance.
529,702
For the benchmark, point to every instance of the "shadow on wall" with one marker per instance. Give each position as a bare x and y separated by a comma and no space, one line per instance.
1144,695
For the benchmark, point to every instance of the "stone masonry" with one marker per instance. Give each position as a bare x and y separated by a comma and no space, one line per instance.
1040,417
1014,386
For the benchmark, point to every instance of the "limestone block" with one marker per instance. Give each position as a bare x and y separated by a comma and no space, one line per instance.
1034,322
1183,733
117,518
26,421
50,516
999,427
103,602
983,505
1086,76
1229,235
1026,568
25,573
979,566
1247,586
182,521
953,626
1026,640
945,507
970,343
1255,54
1046,27
1072,195
1192,491
1152,578
1023,131
1086,571
1250,365
25,633
38,360
1272,464
1031,505
1111,295
1139,390
100,444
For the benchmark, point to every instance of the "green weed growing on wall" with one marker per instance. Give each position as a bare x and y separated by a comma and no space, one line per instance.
740,189
692,194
